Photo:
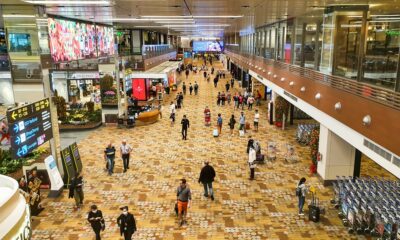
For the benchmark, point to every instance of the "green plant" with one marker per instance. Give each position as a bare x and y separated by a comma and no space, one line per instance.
106,83
61,106
314,145
94,116
281,107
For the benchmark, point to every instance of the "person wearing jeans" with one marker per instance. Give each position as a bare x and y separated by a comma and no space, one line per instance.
252,161
219,123
125,154
301,194
109,155
207,176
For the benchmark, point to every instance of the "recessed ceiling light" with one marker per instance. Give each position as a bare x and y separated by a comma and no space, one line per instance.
69,2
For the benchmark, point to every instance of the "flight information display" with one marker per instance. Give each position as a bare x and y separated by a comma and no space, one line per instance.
29,127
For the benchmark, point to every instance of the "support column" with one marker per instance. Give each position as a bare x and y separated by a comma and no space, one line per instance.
337,156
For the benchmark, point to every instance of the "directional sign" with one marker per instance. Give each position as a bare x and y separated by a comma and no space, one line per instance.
30,126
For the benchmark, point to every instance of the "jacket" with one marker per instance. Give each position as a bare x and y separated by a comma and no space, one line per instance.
126,223
252,158
207,174
98,220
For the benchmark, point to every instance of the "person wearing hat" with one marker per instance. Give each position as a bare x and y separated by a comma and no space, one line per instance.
127,224
207,176
184,197
125,154
95,217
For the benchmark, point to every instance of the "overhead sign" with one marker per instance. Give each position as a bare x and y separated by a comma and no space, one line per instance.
29,126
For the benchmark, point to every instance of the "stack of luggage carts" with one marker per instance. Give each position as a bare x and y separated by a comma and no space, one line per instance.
291,156
369,206
271,153
303,133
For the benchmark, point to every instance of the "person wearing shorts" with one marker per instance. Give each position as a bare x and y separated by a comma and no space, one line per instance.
184,197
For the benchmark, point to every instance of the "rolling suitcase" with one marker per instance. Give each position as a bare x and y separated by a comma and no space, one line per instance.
260,158
215,132
314,210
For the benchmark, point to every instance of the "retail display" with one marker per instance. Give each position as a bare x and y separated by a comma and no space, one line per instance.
368,205
271,155
291,156
303,133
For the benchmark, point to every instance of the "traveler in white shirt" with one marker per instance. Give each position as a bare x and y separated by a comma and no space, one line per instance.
125,154
256,119
172,111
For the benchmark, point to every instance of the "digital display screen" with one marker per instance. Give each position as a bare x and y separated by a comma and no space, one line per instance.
30,127
208,46
105,40
72,40
19,42
139,88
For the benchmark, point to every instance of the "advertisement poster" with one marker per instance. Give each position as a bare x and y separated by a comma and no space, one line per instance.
208,46
54,175
139,88
105,40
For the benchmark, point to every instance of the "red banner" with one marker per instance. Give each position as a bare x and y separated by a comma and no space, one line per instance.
139,88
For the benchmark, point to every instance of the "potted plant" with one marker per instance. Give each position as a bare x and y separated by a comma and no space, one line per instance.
281,108
61,106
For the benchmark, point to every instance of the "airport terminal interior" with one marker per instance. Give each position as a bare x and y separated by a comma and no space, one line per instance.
199,119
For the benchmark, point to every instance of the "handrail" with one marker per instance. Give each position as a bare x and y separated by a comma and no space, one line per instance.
378,94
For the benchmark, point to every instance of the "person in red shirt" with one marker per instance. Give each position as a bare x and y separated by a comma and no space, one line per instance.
207,116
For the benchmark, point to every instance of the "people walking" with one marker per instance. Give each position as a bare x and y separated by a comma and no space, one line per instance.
76,190
252,161
109,156
256,119
190,88
185,125
223,98
242,122
187,73
96,220
228,98
125,150
207,116
127,224
172,113
232,123
207,176
236,102
219,124
183,198
215,81
250,101
196,88
232,82
184,88
227,85
301,192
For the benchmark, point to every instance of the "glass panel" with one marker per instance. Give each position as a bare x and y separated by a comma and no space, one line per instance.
348,36
382,53
297,45
328,28
309,45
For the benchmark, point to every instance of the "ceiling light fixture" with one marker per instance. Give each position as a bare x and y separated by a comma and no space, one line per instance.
367,120
282,79
303,89
199,25
318,96
291,83
69,2
18,16
338,106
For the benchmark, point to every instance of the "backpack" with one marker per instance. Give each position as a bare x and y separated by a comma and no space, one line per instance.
298,191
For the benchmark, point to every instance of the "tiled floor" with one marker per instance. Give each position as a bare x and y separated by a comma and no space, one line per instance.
262,209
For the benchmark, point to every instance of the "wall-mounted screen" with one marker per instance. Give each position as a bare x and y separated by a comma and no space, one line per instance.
105,40
70,40
208,46
19,42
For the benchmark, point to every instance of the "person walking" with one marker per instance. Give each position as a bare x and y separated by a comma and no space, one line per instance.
127,224
252,161
232,82
125,150
258,98
96,220
109,156
184,88
183,198
223,98
301,192
219,124
228,98
236,102
196,88
185,125
219,99
178,101
241,100
190,88
242,122
187,73
172,113
207,176
227,85
208,78
207,116
76,190
256,119
250,101
215,81
232,123
204,74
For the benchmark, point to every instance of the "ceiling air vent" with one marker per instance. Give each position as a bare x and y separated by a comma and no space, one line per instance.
396,161
383,153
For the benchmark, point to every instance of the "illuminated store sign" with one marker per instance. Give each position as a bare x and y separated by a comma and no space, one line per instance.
30,126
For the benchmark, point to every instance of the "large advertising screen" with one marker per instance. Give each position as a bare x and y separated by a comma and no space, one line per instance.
105,40
139,88
71,40
208,46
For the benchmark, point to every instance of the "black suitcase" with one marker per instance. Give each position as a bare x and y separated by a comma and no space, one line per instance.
314,211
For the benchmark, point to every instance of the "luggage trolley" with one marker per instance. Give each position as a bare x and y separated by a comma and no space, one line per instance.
271,153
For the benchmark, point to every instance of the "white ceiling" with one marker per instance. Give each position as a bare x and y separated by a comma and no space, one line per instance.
255,12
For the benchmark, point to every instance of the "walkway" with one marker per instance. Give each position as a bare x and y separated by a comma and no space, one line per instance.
262,209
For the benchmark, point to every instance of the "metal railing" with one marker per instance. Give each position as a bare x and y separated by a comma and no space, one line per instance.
381,95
